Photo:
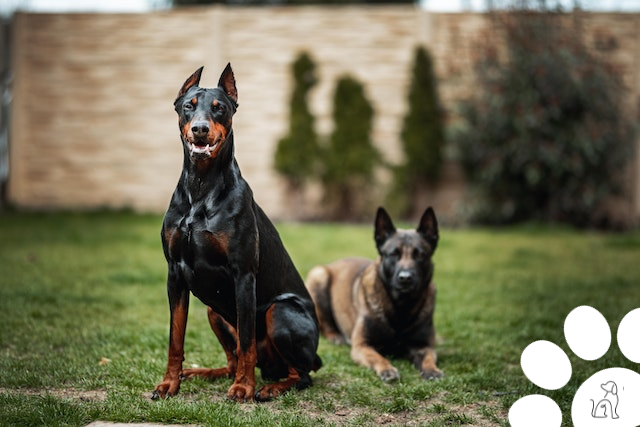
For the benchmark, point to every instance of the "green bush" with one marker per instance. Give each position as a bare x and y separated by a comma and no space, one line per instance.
422,136
544,136
350,157
297,153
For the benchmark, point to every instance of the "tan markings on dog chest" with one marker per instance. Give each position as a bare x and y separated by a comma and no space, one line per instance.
219,241
172,236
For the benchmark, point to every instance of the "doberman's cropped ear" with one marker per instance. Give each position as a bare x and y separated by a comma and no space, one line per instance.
384,227
193,80
428,227
227,83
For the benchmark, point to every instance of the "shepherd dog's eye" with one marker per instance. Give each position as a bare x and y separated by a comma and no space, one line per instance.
419,255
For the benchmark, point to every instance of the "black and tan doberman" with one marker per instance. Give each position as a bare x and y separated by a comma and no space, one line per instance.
221,247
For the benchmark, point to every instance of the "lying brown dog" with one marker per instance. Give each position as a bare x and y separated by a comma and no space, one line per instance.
383,306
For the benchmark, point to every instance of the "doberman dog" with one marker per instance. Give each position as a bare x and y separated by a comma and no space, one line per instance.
384,306
220,246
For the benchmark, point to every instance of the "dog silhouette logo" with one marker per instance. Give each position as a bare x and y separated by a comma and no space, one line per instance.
608,406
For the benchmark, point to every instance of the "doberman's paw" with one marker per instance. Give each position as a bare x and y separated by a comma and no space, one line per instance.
269,391
166,389
241,392
265,395
390,374
434,374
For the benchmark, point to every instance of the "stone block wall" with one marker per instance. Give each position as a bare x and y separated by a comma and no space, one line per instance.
93,125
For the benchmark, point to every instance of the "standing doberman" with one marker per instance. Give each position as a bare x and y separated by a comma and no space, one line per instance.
221,247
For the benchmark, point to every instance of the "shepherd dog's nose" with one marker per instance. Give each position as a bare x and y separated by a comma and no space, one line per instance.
405,276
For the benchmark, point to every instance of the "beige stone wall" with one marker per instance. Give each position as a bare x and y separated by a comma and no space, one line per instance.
93,122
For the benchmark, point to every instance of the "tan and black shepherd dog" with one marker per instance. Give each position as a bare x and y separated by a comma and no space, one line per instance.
383,307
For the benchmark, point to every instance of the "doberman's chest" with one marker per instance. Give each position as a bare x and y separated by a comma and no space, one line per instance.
197,248
190,243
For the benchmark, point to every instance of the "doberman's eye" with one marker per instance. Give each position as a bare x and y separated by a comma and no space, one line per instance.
188,106
217,108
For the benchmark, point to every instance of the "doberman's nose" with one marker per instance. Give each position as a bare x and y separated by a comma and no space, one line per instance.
200,129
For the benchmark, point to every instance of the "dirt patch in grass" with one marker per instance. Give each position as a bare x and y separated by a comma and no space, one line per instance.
485,414
63,393
433,411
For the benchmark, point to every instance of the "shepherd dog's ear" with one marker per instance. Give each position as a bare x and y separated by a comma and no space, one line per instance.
428,227
383,228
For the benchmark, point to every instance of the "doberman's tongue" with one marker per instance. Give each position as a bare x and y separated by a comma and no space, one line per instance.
200,144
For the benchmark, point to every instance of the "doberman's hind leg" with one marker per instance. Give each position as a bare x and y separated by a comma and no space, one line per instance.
275,389
288,349
227,336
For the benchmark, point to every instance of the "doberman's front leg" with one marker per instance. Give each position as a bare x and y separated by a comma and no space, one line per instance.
243,388
227,336
179,306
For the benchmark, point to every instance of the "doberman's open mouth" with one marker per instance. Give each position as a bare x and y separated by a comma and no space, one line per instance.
202,148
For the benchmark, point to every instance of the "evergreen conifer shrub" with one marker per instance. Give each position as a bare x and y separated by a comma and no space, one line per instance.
350,157
296,154
422,137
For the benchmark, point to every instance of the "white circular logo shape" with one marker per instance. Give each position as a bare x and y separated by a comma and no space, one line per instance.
609,398
546,365
628,339
535,410
587,333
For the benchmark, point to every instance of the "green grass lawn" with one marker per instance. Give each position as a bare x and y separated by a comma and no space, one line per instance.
84,325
